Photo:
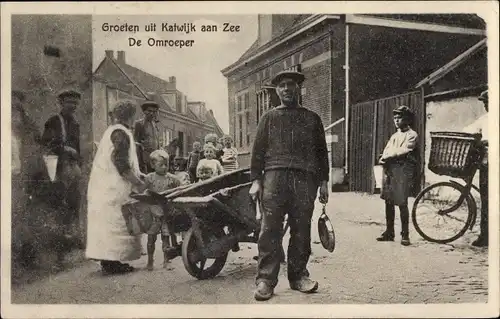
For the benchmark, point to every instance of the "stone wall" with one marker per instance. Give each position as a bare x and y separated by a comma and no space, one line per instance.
42,75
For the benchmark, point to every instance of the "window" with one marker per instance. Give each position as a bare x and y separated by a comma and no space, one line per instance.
240,121
239,102
247,115
166,135
264,101
181,144
184,104
112,95
242,127
189,142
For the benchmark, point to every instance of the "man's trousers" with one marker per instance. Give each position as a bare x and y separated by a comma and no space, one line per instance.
483,189
291,192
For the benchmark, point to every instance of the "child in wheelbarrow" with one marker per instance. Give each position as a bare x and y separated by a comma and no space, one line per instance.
152,218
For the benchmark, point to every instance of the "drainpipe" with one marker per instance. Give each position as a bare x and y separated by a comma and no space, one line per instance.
346,68
332,100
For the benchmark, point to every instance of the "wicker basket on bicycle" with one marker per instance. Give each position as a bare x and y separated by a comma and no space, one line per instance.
454,154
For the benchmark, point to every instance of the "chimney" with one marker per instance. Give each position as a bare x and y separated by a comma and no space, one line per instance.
121,57
265,28
110,54
172,79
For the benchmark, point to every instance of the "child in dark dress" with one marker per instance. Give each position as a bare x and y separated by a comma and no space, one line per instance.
399,160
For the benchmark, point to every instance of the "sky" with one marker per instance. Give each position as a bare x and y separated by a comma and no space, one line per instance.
197,69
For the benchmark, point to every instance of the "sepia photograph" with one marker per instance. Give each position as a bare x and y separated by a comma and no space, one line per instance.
249,158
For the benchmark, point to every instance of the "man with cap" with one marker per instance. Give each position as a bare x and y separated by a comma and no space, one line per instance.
481,126
147,134
289,162
61,137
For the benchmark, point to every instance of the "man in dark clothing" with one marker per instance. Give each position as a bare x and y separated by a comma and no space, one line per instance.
482,126
147,135
289,162
61,137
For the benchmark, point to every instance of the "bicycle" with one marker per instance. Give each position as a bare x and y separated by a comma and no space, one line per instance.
457,155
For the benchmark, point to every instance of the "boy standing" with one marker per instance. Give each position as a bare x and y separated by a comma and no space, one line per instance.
153,216
399,160
230,155
193,160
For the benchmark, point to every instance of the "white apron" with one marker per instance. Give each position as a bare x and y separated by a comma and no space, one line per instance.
107,234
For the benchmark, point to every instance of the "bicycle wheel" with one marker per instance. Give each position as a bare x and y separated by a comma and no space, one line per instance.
475,193
433,215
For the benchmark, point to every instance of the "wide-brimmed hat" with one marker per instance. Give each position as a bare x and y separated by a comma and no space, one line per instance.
404,111
148,104
483,96
74,93
296,76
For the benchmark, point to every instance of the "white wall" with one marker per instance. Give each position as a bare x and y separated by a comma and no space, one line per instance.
449,115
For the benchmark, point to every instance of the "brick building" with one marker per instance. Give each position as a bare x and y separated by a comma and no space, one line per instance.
179,118
346,59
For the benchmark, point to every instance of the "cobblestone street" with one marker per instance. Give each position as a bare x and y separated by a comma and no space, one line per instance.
360,270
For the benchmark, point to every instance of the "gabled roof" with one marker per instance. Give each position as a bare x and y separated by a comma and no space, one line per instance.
453,64
212,121
249,51
147,83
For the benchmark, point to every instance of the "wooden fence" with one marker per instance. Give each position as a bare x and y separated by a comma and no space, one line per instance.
371,126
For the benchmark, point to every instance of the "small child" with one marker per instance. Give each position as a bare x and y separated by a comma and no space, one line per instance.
211,138
399,160
209,167
230,155
180,170
152,216
193,160
219,149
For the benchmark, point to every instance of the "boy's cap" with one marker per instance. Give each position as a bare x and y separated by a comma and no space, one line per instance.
403,110
69,93
483,96
296,76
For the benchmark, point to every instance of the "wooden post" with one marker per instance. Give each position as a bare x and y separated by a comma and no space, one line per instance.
374,144
347,117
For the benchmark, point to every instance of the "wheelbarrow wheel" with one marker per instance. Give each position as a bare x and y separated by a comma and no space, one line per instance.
196,268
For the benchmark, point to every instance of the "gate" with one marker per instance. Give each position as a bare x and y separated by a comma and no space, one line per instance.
371,126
